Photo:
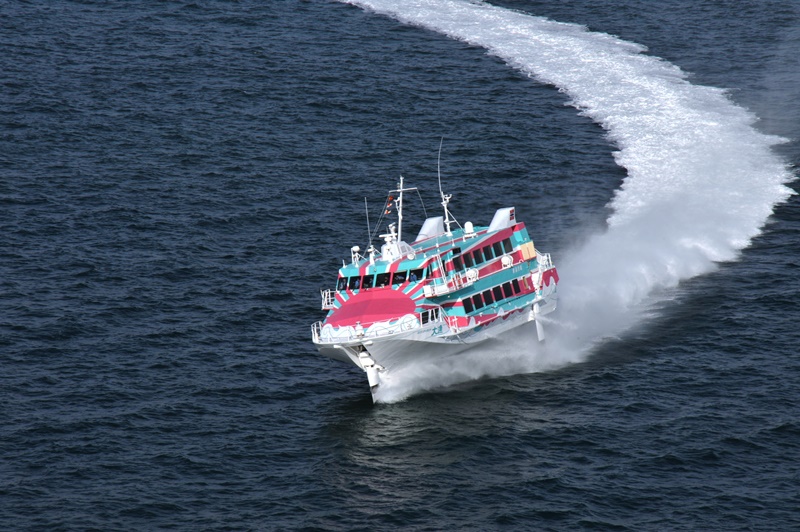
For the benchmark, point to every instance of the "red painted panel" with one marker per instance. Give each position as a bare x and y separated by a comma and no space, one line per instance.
370,306
549,275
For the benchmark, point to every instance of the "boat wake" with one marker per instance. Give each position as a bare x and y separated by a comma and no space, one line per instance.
701,180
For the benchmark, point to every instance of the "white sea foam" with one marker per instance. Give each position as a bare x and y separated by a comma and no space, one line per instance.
701,180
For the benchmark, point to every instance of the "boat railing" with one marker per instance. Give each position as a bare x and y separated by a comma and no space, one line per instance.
452,283
378,329
328,298
545,263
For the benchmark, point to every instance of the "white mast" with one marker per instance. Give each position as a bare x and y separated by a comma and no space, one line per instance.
445,197
400,211
399,205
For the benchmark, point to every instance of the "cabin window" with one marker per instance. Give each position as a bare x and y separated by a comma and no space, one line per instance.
478,256
399,277
382,279
429,315
487,297
507,245
498,248
355,282
477,301
342,284
366,282
415,275
468,262
498,293
468,305
508,290
487,253
517,289
458,264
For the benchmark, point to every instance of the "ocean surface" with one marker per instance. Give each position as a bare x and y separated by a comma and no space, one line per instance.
179,179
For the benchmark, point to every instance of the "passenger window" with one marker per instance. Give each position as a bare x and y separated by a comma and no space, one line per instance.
468,262
507,289
415,275
458,264
487,297
498,293
468,305
477,301
342,285
355,282
478,256
399,277
498,248
517,289
366,282
507,245
382,279
487,253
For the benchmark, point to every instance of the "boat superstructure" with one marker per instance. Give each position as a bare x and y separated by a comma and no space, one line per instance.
447,291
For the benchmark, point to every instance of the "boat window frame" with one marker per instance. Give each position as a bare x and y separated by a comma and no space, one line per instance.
497,289
508,290
468,260
341,284
354,283
477,302
385,277
367,284
497,247
477,254
488,298
468,306
399,273
490,255
507,245
515,284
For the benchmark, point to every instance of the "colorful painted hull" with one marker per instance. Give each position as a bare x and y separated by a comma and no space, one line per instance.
443,294
431,343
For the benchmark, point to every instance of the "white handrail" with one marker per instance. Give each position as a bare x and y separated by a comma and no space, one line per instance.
328,298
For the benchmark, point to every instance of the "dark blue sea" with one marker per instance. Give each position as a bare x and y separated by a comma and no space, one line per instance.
178,180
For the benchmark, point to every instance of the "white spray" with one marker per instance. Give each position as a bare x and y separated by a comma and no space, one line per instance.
701,180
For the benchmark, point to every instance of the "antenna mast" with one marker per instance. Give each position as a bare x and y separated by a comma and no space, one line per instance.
398,203
400,210
445,197
369,231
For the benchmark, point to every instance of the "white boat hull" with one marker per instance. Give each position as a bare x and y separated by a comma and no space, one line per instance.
432,343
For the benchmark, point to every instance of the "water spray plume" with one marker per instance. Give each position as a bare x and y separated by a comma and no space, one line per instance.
701,180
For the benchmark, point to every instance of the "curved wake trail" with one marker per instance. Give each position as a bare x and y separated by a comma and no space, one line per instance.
701,180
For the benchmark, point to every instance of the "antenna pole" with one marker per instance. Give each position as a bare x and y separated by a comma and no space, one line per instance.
400,211
439,167
445,197
369,231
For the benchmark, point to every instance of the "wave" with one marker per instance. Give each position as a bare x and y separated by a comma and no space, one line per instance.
701,180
